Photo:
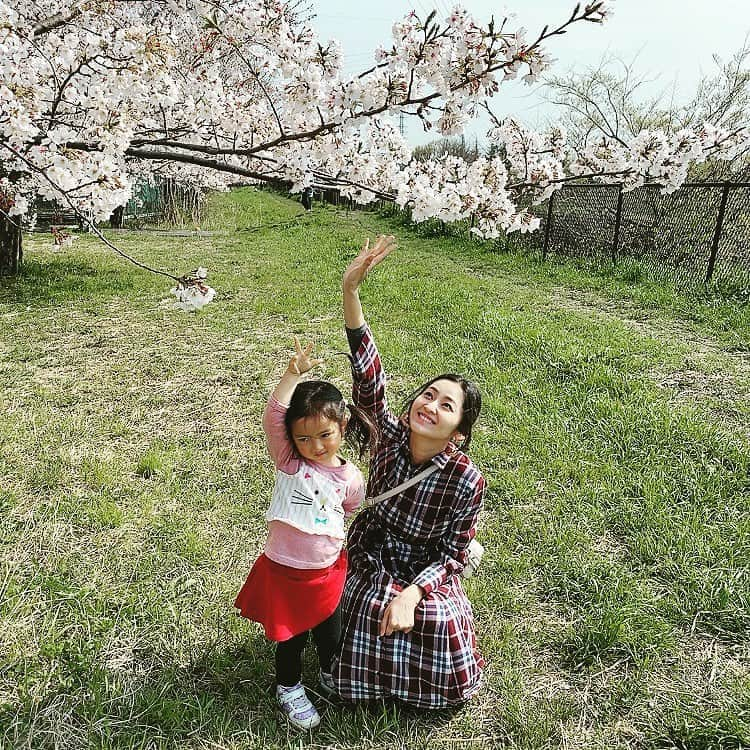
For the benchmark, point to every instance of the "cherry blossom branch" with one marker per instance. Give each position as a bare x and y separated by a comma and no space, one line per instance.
329,126
149,97
54,22
156,155
197,161
84,219
255,75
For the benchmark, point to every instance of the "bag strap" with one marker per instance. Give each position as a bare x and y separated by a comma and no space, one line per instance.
370,501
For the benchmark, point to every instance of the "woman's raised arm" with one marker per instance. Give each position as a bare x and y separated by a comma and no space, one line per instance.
368,378
355,274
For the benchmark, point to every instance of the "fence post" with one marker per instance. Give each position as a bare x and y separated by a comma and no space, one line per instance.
548,227
717,232
618,221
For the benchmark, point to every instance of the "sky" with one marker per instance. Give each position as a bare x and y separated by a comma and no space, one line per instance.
671,41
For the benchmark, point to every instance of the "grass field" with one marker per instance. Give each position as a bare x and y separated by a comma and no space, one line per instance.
614,605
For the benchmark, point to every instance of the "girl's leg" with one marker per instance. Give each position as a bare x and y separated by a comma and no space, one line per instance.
289,660
289,691
327,636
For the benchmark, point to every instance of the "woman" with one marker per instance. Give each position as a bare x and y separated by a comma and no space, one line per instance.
408,629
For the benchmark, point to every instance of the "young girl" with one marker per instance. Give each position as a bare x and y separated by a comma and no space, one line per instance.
295,586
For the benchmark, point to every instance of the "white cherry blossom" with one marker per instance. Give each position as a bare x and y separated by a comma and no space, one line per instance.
97,95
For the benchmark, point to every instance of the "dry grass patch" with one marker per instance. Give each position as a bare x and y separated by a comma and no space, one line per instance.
710,374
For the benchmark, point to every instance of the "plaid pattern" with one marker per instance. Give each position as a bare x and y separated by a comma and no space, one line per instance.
418,536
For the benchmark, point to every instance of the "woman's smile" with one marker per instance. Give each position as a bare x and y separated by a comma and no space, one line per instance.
436,412
426,418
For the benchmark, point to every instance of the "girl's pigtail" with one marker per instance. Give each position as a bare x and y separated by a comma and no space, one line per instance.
362,431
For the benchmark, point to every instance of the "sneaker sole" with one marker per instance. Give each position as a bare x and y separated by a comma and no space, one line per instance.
300,727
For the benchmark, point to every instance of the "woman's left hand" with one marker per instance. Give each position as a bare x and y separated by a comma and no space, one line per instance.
399,614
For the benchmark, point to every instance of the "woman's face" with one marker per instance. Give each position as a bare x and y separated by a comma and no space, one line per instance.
437,411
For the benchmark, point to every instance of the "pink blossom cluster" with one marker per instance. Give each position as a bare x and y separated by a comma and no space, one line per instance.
656,157
97,93
93,93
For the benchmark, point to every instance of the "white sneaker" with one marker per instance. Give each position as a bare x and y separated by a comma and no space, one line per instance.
297,706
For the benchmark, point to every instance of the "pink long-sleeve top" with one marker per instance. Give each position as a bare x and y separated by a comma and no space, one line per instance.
287,545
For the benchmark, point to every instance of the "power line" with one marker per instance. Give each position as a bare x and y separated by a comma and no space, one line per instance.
443,7
423,9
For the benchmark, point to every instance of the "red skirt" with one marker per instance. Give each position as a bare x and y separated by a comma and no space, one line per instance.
289,601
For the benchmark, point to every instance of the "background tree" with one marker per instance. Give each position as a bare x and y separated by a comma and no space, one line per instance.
615,101
607,100
457,146
95,93
722,98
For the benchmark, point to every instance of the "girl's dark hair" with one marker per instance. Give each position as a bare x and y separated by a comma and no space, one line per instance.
313,398
471,407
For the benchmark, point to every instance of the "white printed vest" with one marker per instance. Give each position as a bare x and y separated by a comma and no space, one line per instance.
308,501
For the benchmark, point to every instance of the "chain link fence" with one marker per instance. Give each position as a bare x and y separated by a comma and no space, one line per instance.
698,234
165,200
157,200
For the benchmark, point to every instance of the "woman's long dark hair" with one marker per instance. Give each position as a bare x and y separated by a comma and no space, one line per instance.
471,407
313,398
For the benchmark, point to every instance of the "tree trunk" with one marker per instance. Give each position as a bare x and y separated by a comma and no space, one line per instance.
170,203
11,250
115,220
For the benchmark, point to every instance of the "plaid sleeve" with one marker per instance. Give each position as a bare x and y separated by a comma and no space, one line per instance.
368,377
453,547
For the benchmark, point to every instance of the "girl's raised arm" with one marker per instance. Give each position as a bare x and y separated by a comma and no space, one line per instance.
298,365
280,447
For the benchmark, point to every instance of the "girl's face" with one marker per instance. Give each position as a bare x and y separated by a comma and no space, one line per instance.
318,439
437,411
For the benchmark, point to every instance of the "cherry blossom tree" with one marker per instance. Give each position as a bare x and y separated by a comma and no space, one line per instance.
95,93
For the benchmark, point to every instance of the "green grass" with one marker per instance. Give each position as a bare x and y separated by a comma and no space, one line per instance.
614,603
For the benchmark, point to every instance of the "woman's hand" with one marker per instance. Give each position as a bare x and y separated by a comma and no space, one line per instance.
301,362
368,258
399,614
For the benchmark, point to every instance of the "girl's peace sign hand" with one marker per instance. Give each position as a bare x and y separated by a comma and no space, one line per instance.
368,258
301,362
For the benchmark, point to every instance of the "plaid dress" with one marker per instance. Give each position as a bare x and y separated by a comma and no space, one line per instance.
417,536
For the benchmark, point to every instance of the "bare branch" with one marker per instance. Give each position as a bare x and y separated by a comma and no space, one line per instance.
54,22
